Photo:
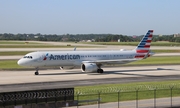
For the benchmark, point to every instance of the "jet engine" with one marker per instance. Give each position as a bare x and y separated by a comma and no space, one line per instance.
89,67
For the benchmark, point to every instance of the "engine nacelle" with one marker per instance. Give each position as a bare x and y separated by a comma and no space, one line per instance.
89,67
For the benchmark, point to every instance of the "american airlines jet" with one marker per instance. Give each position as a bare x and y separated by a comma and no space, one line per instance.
88,61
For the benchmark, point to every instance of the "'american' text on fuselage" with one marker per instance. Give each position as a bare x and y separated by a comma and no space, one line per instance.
64,57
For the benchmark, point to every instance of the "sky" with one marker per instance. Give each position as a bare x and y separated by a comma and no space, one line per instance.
127,17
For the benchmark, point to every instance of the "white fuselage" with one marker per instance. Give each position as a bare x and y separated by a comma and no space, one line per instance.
73,58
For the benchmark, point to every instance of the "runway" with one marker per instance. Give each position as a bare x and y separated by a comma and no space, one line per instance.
26,80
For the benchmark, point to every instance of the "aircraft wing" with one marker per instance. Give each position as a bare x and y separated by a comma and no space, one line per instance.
112,61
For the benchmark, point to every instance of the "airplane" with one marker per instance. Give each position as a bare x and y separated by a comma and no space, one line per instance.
88,61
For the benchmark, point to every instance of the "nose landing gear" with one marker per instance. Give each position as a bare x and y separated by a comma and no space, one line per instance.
37,73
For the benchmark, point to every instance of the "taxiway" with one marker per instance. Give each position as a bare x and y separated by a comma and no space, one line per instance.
26,80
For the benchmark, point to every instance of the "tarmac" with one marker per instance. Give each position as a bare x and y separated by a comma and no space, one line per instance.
26,80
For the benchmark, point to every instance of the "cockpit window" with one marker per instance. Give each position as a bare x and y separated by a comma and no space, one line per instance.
30,57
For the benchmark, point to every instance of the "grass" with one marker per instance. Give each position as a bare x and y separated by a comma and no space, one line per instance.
158,61
13,53
128,91
127,87
23,44
9,64
97,43
134,43
41,46
127,96
112,43
166,51
18,42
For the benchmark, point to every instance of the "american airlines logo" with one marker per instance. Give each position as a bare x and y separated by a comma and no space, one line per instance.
45,57
62,57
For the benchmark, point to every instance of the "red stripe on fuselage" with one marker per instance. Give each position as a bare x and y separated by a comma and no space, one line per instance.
142,51
139,56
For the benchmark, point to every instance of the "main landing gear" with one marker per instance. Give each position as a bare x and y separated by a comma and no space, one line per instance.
100,71
37,73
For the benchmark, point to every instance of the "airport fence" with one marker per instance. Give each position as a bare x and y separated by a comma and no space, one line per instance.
130,97
33,98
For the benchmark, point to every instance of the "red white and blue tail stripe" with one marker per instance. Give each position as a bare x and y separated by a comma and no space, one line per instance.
144,46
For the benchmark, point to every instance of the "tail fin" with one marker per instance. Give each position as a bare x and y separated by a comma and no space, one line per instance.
143,49
145,43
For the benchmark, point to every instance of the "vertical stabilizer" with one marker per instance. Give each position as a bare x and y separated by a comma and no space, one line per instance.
143,48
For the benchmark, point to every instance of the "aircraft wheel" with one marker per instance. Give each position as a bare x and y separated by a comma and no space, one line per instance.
36,73
100,71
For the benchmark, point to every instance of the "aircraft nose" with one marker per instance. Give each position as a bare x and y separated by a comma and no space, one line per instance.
20,62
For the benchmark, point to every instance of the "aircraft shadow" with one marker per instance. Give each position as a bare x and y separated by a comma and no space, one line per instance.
67,73
118,72
127,72
138,70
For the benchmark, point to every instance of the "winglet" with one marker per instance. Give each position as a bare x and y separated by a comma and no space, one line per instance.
74,48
